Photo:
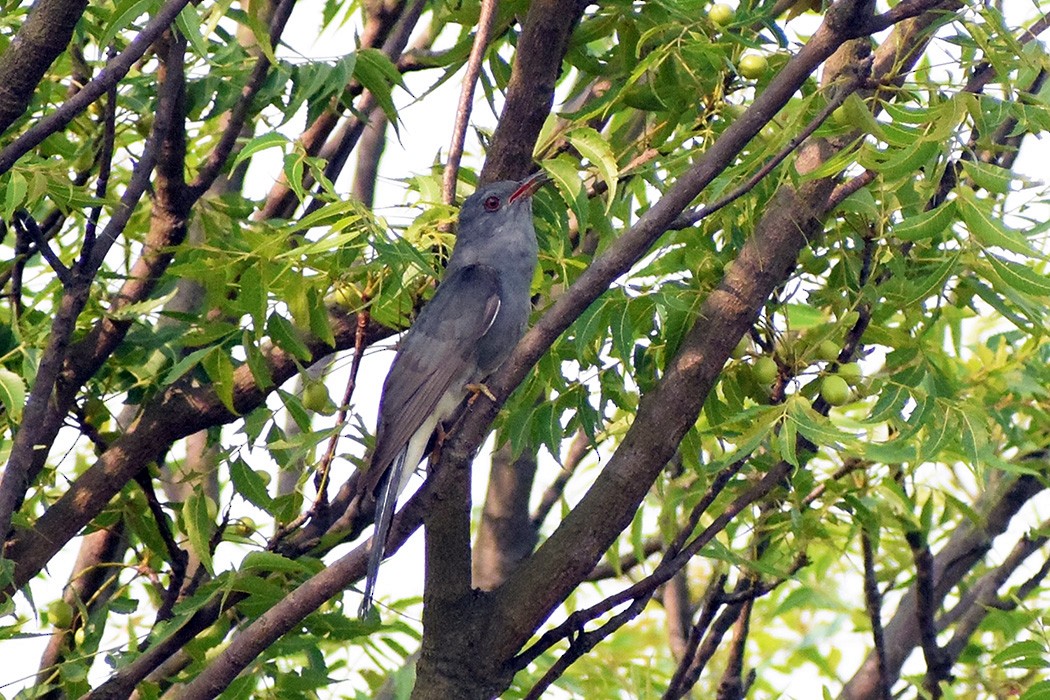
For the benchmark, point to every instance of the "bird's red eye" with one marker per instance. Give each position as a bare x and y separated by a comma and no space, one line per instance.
492,203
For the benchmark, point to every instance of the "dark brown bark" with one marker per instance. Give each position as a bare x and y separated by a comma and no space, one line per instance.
530,94
44,35
506,534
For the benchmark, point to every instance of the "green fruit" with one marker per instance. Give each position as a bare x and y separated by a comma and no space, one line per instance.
828,351
742,348
752,66
851,373
839,117
834,390
720,14
60,613
315,397
766,370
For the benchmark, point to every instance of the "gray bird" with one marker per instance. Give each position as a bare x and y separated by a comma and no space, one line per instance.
476,317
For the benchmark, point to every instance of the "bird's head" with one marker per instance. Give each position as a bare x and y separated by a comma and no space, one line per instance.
499,210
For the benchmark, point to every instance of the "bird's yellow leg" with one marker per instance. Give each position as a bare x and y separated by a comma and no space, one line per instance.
477,390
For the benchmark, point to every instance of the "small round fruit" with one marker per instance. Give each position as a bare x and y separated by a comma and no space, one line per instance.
60,613
720,14
851,373
752,66
315,397
828,351
742,348
839,117
834,390
766,370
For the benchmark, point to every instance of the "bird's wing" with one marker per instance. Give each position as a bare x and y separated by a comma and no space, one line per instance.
437,351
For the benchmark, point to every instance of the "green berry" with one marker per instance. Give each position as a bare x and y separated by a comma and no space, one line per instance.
720,14
60,613
752,66
766,370
851,372
315,397
834,390
828,351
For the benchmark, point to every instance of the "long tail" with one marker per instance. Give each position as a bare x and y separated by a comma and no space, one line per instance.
385,506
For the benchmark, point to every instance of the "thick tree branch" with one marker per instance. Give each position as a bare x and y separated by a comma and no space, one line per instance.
39,41
873,605
544,36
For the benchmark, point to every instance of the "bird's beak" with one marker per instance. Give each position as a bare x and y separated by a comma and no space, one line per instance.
528,186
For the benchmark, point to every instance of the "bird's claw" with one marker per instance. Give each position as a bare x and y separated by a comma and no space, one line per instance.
477,390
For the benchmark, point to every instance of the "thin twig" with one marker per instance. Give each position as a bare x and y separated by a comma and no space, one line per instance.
733,686
466,100
239,114
687,219
25,224
937,666
109,126
676,556
578,449
344,407
873,604
708,607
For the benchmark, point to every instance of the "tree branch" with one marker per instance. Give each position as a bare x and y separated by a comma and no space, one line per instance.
114,71
41,38
466,99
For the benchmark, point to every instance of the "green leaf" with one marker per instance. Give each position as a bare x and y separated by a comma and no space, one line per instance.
933,283
816,428
759,429
186,364
379,76
596,149
562,171
249,484
858,114
198,515
271,561
286,336
123,14
1025,654
271,139
189,24
12,393
1038,691
803,316
14,194
1019,277
256,362
989,231
294,165
990,177
133,312
928,224
220,370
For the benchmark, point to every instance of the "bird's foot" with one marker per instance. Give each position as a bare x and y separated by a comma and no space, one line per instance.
477,390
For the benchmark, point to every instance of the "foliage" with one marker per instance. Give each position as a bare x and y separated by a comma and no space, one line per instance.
171,405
